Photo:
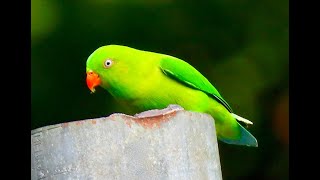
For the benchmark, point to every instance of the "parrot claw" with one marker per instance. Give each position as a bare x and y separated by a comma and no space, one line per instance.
157,112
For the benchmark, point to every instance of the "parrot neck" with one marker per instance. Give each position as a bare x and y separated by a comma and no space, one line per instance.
124,93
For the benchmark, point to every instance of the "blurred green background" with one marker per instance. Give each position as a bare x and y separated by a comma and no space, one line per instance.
240,46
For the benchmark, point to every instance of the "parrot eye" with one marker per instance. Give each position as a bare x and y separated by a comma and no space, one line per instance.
108,63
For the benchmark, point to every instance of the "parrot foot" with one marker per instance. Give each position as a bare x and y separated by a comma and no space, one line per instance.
157,112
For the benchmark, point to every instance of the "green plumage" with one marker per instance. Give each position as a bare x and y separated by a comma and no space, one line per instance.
144,80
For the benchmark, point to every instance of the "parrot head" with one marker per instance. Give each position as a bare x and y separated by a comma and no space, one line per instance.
99,67
111,66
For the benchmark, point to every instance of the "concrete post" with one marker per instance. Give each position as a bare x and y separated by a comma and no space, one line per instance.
159,144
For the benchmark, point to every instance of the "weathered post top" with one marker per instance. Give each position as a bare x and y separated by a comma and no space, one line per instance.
159,144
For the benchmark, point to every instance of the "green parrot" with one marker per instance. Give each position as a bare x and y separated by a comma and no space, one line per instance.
143,80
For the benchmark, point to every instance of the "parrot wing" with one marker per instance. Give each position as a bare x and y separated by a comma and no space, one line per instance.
185,73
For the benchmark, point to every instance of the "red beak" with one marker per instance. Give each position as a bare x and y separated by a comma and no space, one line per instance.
93,80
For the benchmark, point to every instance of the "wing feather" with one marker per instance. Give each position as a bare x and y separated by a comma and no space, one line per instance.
184,73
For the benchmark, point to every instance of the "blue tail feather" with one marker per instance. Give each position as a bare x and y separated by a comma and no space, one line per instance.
246,139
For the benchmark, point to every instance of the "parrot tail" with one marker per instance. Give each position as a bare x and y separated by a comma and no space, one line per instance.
246,138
